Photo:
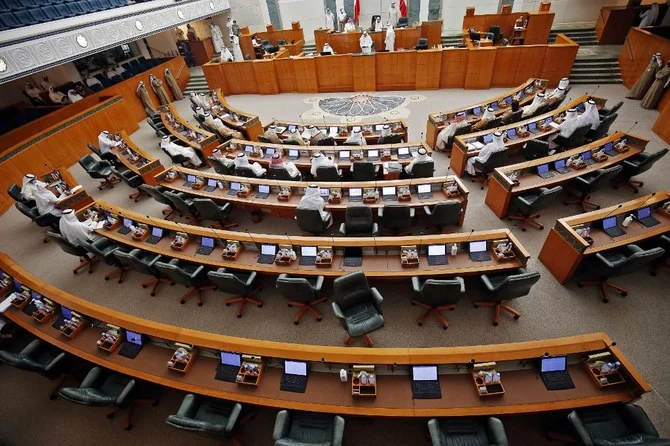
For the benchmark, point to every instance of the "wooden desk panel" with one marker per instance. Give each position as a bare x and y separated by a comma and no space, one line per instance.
215,78
398,127
364,73
149,170
266,76
453,68
480,68
335,72
428,69
305,75
559,59
396,70
203,50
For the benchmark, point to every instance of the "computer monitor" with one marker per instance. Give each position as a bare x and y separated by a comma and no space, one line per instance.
235,186
609,222
211,182
477,110
553,364
543,168
643,212
127,222
424,373
157,232
560,164
356,128
207,242
293,152
248,149
608,147
379,127
373,153
133,338
264,189
586,155
508,100
423,188
477,246
511,133
190,178
388,190
269,151
532,126
345,154
437,250
324,192
295,368
403,151
488,138
230,358
355,192
292,127
308,251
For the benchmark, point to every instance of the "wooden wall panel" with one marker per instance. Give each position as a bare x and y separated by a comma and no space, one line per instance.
305,75
480,68
407,38
274,36
285,75
396,70
266,77
539,24
454,67
432,30
662,124
528,63
539,27
335,73
240,77
364,73
428,68
558,61
215,78
636,53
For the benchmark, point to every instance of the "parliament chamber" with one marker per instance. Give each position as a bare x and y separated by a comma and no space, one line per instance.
450,244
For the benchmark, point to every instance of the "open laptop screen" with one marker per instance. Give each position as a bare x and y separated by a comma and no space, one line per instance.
424,373
295,368
554,364
423,188
437,250
477,246
268,249
609,222
644,212
308,251
230,358
133,338
207,241
388,190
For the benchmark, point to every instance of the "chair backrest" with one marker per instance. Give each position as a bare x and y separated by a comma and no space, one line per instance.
327,141
441,291
156,194
514,117
495,29
650,160
129,177
546,197
25,210
133,260
351,289
93,148
577,137
179,202
228,282
614,109
535,148
496,159
397,216
358,219
390,139
363,171
174,273
516,285
402,22
309,220
493,123
422,44
279,173
327,173
219,166
208,209
88,163
246,172
65,245
14,191
263,138
604,127
604,175
446,213
295,288
423,169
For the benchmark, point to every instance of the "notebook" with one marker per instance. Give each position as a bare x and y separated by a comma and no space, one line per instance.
611,227
532,127
190,179
437,255
324,192
65,314
345,155
554,373
559,166
307,255
132,346
477,111
487,138
403,153
424,191
294,378
587,157
609,149
478,251
206,247
269,151
425,383
267,254
644,217
353,256
229,367
511,134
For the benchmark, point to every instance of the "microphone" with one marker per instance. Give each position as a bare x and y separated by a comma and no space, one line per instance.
465,243
420,241
594,91
251,237
612,211
631,128
289,239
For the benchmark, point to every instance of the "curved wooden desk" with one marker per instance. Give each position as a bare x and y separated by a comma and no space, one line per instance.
460,152
179,127
438,121
75,197
525,393
501,189
371,129
248,124
287,208
140,162
381,255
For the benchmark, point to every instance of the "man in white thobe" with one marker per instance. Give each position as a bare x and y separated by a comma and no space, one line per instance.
92,81
315,135
46,201
313,200
217,37
74,230
175,149
450,130
294,138
590,115
566,128
485,153
330,20
389,40
106,142
350,27
529,110
222,128
29,187
394,15
205,102
327,48
278,162
237,51
342,19
271,134
57,97
73,96
226,55
488,116
378,24
356,137
366,43
33,92
241,161
421,157
319,160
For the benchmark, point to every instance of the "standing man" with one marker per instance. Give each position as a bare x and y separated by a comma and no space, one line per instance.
366,43
330,20
389,40
237,51
342,18
394,15
217,37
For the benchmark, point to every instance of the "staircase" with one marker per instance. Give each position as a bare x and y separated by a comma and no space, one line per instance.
452,40
309,48
595,71
197,84
581,36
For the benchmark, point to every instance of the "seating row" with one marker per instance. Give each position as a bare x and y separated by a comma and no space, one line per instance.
15,14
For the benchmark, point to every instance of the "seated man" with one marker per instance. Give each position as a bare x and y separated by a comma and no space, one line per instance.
57,97
321,161
356,137
222,128
277,162
175,149
271,134
33,93
29,188
485,153
241,161
529,110
106,142
313,200
450,130
294,138
92,81
315,135
488,116
46,201
421,157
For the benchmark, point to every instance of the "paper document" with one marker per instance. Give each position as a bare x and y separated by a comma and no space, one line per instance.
305,134
478,144
6,303
554,125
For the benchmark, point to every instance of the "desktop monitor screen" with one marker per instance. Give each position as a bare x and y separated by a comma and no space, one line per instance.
508,99
133,338
230,358
373,153
477,110
292,127
424,373
127,222
324,192
207,241
235,186
345,154
608,147
437,250
157,232
249,149
356,128
423,188
308,251
268,249
478,246
532,126
609,222
586,155
355,192
511,133
488,138
543,168
66,312
264,189
403,150
269,151
211,182
379,127
560,164
190,178
554,364
644,212
388,190
293,152
295,368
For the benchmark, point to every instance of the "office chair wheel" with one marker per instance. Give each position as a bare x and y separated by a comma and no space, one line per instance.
495,324
523,229
541,227
296,322
182,302
153,294
475,305
413,304
420,324
129,427
239,316
579,285
106,278
200,304
318,319
260,305
605,300
516,318
227,305
111,415
624,294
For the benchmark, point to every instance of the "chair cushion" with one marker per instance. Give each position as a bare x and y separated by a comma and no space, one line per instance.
644,439
88,396
310,429
464,432
362,318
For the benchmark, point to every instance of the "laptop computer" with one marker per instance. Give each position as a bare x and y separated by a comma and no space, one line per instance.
644,217
511,134
356,128
477,111
373,155
211,185
581,107
609,149
307,255
344,155
333,131
190,179
263,191
611,227
355,194
487,138
379,127
248,149
494,106
353,256
324,192
267,254
388,193
293,154
34,295
132,346
65,314
156,235
268,152
294,378
437,255
587,157
559,166
292,127
425,382
234,188
125,227
532,127
544,172
424,191
229,367
508,100
554,373
207,245
403,153
479,251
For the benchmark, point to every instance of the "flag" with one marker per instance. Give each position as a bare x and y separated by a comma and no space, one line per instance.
403,8
357,10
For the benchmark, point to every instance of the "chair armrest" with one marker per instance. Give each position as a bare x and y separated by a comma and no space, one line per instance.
632,249
55,363
416,284
174,262
31,348
198,271
461,282
319,283
380,212
580,429
92,377
124,398
338,430
434,431
496,432
188,405
636,417
153,261
428,210
375,229
487,282
234,415
251,279
377,299
411,212
343,229
282,425
338,311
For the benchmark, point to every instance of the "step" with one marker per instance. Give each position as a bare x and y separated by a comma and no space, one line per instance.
595,64
594,82
592,60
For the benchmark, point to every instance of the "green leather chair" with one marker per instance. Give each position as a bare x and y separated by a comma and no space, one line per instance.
104,248
207,209
208,417
529,204
145,263
158,194
132,180
635,165
75,250
99,170
311,221
467,432
396,219
504,287
585,185
39,357
358,306
307,429
358,222
187,274
302,292
436,296
236,282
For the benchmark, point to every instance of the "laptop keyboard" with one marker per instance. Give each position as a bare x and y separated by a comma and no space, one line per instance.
649,221
353,261
293,383
426,390
481,256
266,258
204,250
557,380
562,170
357,198
130,350
187,184
615,231
425,196
546,175
232,192
225,372
388,197
437,260
153,239
209,188
262,196
307,261
123,230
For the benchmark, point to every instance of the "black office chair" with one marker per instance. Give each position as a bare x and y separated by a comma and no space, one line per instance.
576,139
467,431
493,123
302,292
220,167
505,287
311,221
459,131
604,112
15,192
242,284
107,156
104,248
208,210
437,296
99,170
265,139
209,417
307,429
248,172
188,274
529,204
281,173
40,357
444,213
180,159
158,194
44,220
618,262
511,119
390,139
584,186
184,204
634,166
616,424
603,129
327,141
484,170
358,222
158,127
422,44
363,171
133,180
145,263
78,251
402,22
423,169
396,218
534,149
497,34
327,173
358,306
664,242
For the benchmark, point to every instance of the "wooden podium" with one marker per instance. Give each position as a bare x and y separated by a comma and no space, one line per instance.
203,50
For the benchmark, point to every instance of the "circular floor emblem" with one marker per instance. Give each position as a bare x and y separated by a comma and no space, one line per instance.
360,105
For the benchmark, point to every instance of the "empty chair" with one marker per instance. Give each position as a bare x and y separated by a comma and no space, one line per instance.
104,249
422,169
576,139
158,194
327,173
183,203
311,221
617,262
664,242
614,424
41,357
437,296
363,171
467,431
133,180
358,306
99,170
495,30
635,165
504,287
485,169
307,429
145,263
209,210
281,173
187,274
603,112
78,251
534,149
209,417
529,204
241,284
178,158
583,186
396,218
422,44
603,128
327,141
358,222
42,221
402,22
302,292
444,213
